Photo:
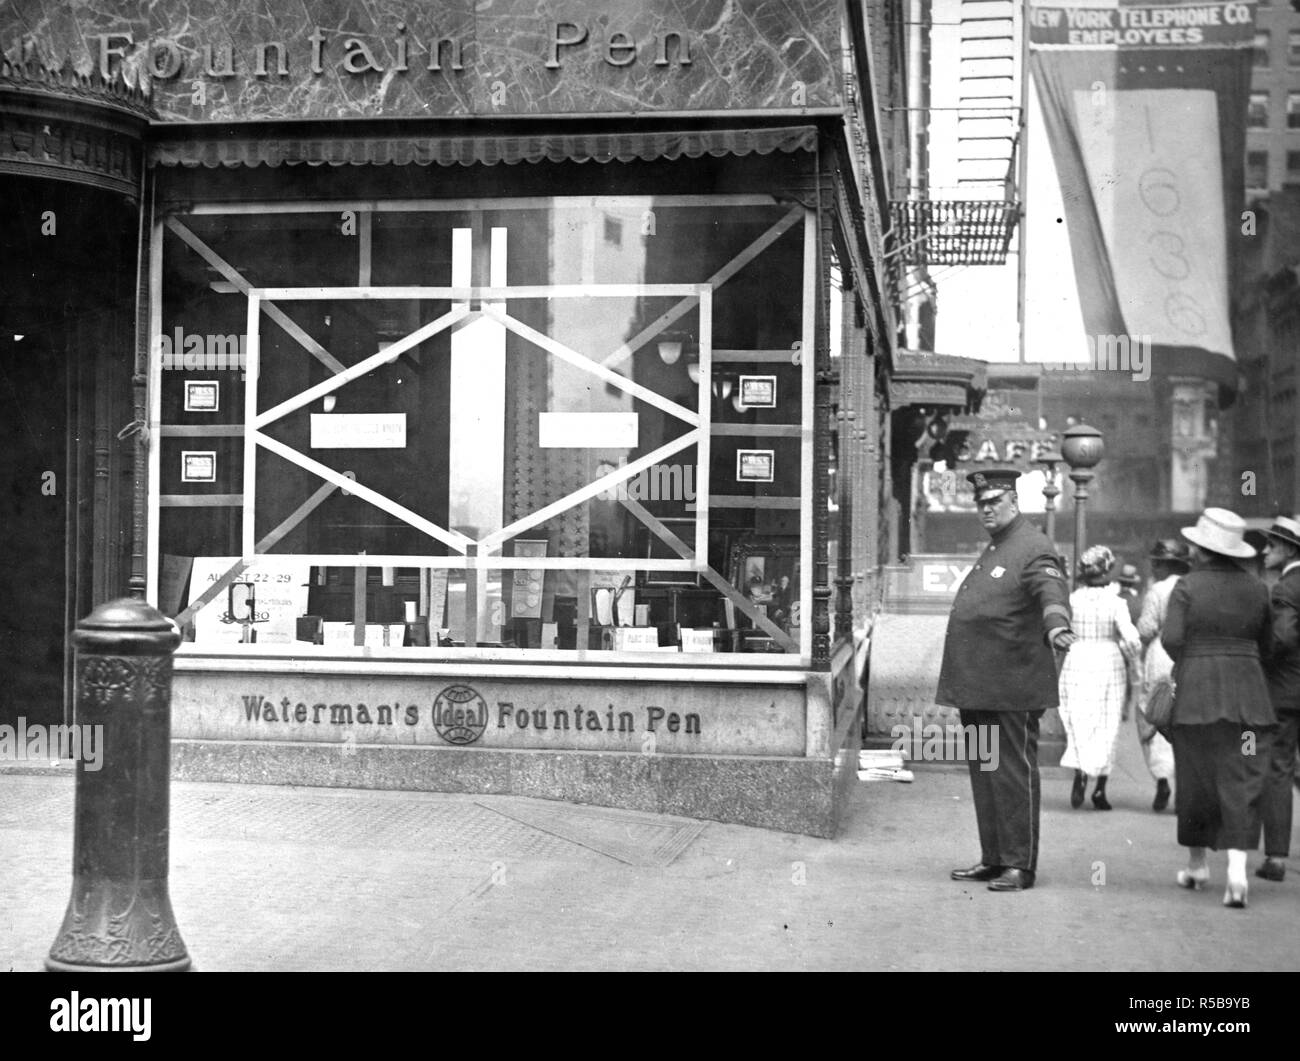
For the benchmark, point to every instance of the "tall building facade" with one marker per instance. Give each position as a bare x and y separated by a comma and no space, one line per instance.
1266,418
1273,121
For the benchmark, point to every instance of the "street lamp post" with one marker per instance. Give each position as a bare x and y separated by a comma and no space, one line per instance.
1049,461
1081,447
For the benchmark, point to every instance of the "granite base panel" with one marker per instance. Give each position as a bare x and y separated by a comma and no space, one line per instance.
732,789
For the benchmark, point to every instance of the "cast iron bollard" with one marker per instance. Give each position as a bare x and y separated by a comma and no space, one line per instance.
120,916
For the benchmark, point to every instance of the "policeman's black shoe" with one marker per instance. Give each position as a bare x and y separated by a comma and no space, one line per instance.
1076,793
979,871
1013,880
1272,869
1162,795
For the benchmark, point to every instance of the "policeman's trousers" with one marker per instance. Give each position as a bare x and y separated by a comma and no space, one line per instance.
1007,799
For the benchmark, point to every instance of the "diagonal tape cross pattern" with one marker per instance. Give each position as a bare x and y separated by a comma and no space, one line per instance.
460,315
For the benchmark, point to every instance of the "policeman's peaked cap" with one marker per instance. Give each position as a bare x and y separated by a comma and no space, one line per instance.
993,483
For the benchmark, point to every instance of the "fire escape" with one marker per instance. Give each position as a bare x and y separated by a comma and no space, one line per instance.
968,220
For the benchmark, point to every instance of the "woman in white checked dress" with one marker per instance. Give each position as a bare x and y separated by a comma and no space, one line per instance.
1094,679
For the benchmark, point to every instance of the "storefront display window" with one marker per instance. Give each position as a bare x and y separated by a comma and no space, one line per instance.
493,428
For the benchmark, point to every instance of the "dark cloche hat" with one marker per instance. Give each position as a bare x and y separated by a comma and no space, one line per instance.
1172,551
993,483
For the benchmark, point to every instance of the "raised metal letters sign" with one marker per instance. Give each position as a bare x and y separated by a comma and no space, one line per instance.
256,60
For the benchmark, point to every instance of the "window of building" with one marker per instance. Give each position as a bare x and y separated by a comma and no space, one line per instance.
1293,110
475,427
1256,169
1293,48
1293,164
1257,113
1262,39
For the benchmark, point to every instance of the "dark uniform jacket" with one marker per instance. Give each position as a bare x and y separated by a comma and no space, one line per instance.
1218,629
1282,668
997,656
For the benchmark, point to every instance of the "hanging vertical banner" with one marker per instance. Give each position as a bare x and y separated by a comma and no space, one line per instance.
1144,106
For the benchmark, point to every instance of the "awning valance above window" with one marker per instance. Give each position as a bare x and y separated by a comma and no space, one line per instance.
487,150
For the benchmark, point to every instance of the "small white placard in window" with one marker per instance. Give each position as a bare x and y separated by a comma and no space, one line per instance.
755,465
198,466
758,392
636,639
587,430
338,633
202,395
358,430
697,640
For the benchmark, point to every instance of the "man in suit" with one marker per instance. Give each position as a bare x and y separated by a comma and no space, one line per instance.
999,669
1282,669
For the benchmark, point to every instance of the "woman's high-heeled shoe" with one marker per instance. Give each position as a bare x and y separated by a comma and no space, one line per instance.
1076,793
1235,895
1193,879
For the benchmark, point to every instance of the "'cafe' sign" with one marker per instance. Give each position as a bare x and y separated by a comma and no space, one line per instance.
1016,451
1002,432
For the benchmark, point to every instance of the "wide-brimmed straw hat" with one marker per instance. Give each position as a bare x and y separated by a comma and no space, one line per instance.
1285,530
1220,531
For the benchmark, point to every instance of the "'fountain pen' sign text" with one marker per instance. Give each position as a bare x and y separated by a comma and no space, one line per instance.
164,59
460,716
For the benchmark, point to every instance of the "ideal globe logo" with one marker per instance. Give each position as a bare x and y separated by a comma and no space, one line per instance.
195,352
660,482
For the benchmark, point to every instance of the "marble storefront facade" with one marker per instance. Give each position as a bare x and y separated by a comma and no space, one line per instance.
420,290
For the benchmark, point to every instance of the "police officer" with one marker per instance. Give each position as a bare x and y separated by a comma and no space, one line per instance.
999,670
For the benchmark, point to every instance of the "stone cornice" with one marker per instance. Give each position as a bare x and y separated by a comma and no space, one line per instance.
58,124
64,82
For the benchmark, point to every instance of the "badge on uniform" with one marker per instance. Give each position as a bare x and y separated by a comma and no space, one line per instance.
998,572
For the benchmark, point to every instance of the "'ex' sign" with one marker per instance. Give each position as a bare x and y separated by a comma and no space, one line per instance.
926,583
942,578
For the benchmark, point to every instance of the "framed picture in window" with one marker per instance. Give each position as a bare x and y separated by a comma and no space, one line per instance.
755,465
758,392
766,572
202,396
198,466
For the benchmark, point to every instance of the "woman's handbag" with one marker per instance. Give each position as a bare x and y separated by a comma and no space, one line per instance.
1159,710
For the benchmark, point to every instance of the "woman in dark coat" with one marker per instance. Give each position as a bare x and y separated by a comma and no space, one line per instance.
1218,628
